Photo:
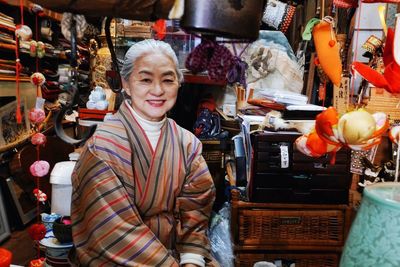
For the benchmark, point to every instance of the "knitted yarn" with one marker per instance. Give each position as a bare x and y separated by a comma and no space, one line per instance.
210,56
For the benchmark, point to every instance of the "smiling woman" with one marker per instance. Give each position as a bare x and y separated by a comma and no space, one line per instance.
142,191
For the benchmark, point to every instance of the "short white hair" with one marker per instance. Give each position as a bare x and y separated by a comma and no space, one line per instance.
148,46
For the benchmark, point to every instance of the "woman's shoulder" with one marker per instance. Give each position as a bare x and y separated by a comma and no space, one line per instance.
110,135
186,137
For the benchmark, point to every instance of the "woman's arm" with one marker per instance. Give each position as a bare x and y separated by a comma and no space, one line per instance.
194,206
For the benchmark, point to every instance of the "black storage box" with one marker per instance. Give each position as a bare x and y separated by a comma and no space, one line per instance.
282,174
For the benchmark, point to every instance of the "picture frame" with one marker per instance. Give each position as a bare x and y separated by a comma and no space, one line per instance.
10,131
24,202
4,227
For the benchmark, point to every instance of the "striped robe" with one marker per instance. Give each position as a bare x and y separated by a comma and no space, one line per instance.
132,206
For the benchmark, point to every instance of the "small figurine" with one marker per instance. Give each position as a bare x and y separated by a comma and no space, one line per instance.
97,99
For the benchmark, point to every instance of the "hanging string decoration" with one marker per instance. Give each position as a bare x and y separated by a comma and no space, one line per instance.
37,117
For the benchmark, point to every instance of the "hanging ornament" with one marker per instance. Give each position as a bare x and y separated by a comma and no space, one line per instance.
37,231
38,139
37,115
23,32
39,168
40,196
38,79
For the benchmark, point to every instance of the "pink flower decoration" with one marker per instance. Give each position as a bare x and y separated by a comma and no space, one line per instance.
39,168
38,139
40,196
37,115
38,79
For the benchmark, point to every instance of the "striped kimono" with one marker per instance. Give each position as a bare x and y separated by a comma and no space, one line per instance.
132,206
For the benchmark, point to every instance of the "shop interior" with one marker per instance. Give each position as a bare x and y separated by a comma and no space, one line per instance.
296,104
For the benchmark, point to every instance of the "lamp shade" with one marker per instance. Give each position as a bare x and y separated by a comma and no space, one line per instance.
374,238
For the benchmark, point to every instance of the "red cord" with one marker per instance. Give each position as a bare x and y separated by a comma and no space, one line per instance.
37,39
18,67
21,6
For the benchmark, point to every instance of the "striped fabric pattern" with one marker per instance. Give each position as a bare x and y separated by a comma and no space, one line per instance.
132,206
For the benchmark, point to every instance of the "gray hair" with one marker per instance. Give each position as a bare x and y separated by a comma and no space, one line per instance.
148,46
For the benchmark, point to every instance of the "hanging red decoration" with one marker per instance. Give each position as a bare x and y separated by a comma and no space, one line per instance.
37,115
38,139
40,196
39,168
37,231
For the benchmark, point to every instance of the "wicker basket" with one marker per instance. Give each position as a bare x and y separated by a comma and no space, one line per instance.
319,227
266,226
299,259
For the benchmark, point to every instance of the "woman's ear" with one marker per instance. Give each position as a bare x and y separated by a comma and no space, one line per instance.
125,86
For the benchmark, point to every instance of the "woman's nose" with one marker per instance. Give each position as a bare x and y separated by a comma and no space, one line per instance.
157,89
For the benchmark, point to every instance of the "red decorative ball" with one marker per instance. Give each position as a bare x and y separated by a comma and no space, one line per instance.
37,231
40,196
38,139
38,79
332,43
37,115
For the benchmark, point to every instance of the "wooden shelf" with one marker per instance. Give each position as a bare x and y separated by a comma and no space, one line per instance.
12,79
46,12
201,79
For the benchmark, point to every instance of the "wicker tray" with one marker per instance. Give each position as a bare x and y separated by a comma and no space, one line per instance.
299,259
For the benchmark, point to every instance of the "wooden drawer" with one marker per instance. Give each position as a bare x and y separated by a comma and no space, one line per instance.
247,259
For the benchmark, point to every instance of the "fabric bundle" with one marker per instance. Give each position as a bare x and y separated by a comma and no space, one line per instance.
278,15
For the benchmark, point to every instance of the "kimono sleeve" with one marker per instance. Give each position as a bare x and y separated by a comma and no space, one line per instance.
107,228
194,206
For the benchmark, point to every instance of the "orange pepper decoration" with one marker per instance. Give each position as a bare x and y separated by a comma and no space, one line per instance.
328,49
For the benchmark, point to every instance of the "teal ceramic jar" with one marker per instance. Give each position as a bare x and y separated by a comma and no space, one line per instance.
374,238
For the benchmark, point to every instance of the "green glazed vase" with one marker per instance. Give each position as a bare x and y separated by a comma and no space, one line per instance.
374,238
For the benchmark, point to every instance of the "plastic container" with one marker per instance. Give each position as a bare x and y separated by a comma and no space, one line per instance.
60,178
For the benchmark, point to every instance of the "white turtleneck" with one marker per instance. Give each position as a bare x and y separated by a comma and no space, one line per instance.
151,128
153,131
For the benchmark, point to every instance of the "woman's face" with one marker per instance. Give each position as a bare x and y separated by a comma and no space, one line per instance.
153,86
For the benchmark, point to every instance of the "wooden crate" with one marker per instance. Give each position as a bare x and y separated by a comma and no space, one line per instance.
247,259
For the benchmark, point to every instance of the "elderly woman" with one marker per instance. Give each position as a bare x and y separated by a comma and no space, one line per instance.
142,192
